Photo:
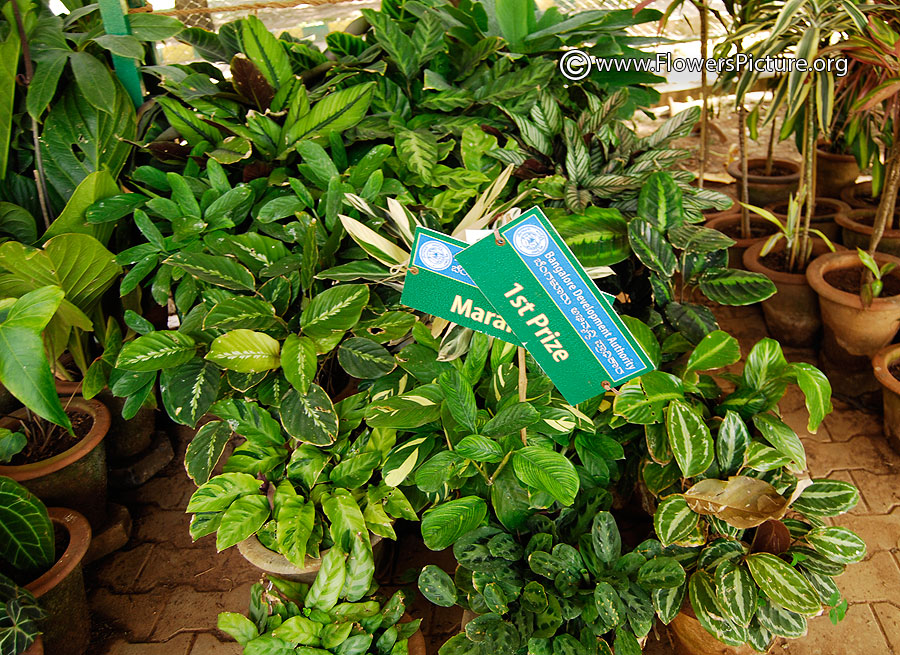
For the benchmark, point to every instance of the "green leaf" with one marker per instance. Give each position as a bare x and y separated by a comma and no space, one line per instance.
460,398
827,498
17,222
153,27
123,45
187,123
479,449
309,417
294,526
363,358
736,592
447,522
547,471
689,439
732,442
816,389
780,621
266,52
668,602
783,584
716,350
205,450
27,543
437,586
237,626
659,202
11,444
244,351
782,438
218,494
221,271
699,239
240,312
336,112
243,518
651,247
734,287
661,573
674,520
605,538
694,321
418,150
94,80
334,311
298,361
410,410
325,591
347,521
189,390
511,419
709,613
837,544
157,350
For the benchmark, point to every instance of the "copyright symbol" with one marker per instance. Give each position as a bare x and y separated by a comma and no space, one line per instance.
575,65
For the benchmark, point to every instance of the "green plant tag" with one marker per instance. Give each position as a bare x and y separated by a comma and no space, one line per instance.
556,311
437,284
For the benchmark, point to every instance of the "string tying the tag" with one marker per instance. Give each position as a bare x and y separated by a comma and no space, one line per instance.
498,238
397,269
608,387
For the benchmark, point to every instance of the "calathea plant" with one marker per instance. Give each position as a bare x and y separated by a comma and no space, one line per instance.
289,617
728,475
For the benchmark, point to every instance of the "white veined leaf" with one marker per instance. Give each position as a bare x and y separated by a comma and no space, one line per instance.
783,584
245,351
674,520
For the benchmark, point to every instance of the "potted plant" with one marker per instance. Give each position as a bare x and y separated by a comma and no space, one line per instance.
792,314
725,479
285,616
825,219
20,632
858,226
43,552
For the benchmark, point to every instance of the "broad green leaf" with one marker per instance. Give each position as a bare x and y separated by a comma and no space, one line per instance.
735,287
363,358
674,520
240,312
447,522
783,584
716,350
221,491
661,573
237,626
418,149
780,621
511,419
243,518
325,591
816,389
298,361
334,311
827,498
732,442
266,52
689,439
221,271
479,449
704,601
651,247
205,450
668,602
437,586
28,543
157,350
244,351
605,538
782,438
336,112
736,591
837,544
460,398
409,410
309,417
659,202
190,389
548,471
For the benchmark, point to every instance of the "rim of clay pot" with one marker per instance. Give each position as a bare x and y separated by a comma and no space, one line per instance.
753,262
273,562
98,412
734,169
736,219
67,387
852,192
79,539
849,221
824,154
881,362
839,206
815,275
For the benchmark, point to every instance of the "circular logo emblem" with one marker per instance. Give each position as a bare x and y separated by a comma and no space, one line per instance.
435,255
530,240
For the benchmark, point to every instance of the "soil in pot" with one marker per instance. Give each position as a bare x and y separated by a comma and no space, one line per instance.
760,229
859,195
73,474
60,591
850,280
765,189
856,231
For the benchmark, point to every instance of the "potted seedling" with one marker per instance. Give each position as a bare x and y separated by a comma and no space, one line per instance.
43,551
338,613
792,314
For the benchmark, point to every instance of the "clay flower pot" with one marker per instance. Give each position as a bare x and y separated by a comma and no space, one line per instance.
852,333
890,392
278,565
416,643
856,231
60,591
834,171
730,225
859,195
76,477
827,212
792,314
36,648
766,189
689,637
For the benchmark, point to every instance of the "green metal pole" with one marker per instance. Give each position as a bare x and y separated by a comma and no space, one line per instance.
115,21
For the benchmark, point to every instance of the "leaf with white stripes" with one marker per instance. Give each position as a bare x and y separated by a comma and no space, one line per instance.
758,637
689,439
674,520
407,411
205,449
667,602
716,350
782,438
157,350
816,390
783,584
731,443
190,389
737,592
709,613
827,498
245,351
548,471
780,621
309,417
837,544
447,522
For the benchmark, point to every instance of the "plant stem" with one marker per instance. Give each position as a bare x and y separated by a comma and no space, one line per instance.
523,388
704,92
745,189
809,163
500,467
888,204
770,151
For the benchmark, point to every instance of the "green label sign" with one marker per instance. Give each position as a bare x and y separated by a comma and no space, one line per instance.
437,284
556,311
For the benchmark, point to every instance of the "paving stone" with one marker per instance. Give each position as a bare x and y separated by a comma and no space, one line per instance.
161,492
798,420
889,618
202,568
163,526
135,614
119,572
189,609
880,532
178,645
207,644
845,422
861,452
876,579
857,634
881,492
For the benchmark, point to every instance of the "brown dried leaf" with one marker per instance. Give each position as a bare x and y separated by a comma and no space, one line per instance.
741,502
771,537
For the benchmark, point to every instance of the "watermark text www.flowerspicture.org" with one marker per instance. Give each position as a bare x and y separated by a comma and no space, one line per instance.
577,64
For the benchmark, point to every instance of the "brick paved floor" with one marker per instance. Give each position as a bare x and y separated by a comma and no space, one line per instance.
161,594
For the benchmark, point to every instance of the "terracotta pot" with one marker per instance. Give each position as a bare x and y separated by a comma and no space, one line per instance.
890,392
852,333
127,437
763,189
689,637
416,643
859,195
792,314
825,222
36,648
856,231
76,477
60,591
730,225
277,564
834,171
